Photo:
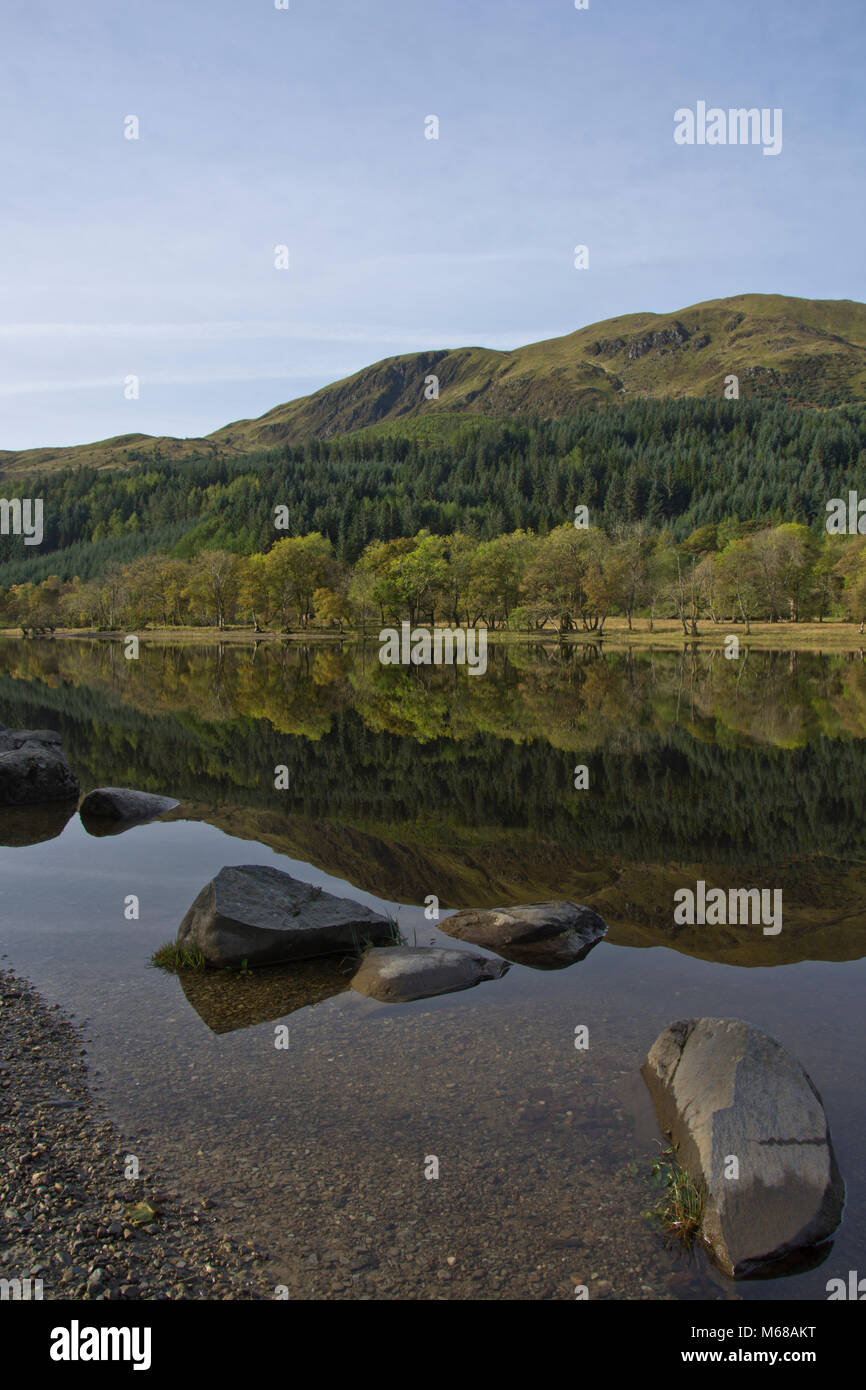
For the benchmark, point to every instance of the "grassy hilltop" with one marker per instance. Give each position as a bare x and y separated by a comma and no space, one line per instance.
809,352
797,351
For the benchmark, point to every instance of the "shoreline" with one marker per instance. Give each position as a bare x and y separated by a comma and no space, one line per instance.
63,1194
831,636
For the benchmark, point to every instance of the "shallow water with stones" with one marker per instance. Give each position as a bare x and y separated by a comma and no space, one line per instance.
400,789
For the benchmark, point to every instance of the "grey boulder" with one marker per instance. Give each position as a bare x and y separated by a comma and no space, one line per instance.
545,936
253,913
399,973
33,768
725,1091
121,804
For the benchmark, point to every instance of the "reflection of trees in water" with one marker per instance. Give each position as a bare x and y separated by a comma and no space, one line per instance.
686,750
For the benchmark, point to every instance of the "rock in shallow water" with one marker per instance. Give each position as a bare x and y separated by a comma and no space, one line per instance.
255,913
723,1090
545,936
33,768
121,804
401,973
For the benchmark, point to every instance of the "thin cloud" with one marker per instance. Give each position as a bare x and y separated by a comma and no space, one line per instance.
252,329
157,378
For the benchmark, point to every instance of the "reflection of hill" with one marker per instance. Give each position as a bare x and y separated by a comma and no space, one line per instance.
411,783
460,870
824,917
667,765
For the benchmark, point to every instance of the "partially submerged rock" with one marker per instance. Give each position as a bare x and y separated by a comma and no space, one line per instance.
119,804
400,973
257,914
546,936
33,768
733,1100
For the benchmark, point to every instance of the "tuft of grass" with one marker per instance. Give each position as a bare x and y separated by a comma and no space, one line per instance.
362,944
395,935
172,957
680,1209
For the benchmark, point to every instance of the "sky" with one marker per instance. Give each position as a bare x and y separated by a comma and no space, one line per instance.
306,127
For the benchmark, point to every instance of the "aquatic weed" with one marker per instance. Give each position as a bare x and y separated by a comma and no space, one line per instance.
173,957
680,1209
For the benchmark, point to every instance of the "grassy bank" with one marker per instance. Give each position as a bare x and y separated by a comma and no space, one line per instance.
667,633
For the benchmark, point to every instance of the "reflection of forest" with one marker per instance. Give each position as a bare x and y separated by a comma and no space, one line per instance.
403,781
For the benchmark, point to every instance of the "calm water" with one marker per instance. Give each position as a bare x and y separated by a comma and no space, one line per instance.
410,784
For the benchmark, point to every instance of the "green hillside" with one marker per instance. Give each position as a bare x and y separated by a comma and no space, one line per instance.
794,351
803,352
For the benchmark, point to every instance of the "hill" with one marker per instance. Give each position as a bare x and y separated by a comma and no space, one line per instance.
795,351
802,352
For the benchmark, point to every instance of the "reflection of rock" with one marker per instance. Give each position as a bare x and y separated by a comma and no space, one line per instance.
634,898
398,973
98,827
255,913
225,1002
118,804
33,768
32,825
730,1095
546,936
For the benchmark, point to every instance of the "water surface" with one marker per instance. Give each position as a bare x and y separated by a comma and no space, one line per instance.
404,785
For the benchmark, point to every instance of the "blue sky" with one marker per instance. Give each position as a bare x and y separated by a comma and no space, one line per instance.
305,127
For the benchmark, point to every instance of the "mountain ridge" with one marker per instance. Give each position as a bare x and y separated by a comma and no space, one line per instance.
801,351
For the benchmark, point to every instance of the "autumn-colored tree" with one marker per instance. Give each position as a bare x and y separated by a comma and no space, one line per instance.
496,572
254,588
737,578
213,584
295,568
331,606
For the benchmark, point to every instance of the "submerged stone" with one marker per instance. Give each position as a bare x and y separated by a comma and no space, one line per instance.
225,1001
400,973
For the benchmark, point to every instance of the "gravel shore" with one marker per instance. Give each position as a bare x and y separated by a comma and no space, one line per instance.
68,1214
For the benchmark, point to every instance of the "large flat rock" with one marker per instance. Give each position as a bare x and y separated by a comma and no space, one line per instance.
259,914
724,1090
545,936
33,768
400,973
